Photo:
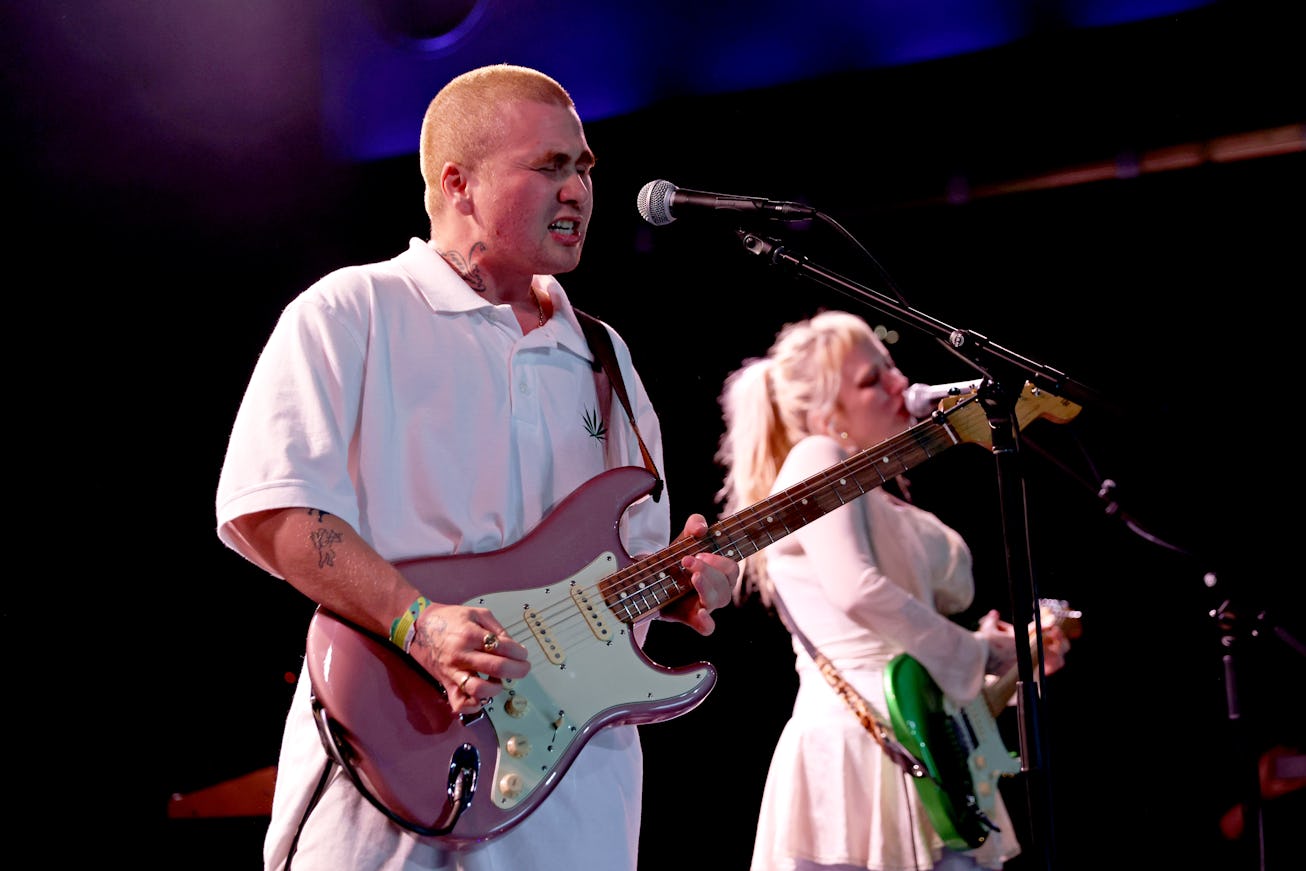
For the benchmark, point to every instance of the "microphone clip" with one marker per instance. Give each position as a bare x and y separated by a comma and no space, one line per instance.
768,247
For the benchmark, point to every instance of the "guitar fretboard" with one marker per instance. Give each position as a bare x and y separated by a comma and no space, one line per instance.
647,586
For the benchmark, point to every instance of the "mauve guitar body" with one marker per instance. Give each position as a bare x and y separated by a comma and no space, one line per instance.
466,779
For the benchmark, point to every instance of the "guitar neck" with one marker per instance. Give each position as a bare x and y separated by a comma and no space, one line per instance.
999,693
648,585
645,587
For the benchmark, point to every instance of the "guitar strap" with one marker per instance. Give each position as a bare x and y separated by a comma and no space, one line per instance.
606,369
856,701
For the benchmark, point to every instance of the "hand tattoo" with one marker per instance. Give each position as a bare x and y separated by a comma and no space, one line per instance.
432,633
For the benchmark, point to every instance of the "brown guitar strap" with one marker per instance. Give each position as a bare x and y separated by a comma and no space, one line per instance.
606,369
856,701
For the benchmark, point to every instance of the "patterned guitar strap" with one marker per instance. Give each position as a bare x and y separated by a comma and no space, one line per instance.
606,369
861,708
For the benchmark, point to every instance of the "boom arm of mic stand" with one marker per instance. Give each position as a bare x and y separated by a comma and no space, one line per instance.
969,345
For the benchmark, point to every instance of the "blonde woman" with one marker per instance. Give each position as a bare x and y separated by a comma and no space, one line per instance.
869,580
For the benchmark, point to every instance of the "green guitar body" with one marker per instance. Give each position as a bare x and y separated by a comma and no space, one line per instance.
958,746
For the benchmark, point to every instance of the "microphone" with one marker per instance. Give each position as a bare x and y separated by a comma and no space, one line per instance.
659,199
922,400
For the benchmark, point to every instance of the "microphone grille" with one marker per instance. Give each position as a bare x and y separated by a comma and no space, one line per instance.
918,401
654,202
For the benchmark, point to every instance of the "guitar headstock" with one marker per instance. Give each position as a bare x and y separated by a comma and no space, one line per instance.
972,424
1056,612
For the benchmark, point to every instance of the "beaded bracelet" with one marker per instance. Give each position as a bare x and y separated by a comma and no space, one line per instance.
405,625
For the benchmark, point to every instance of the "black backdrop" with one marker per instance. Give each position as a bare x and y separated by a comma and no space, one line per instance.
1171,292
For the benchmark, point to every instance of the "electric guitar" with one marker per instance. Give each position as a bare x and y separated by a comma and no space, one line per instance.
571,594
959,746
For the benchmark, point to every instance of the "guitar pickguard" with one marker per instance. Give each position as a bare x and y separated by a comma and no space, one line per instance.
466,779
987,756
582,680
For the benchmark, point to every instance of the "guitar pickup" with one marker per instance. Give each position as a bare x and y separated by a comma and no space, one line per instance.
544,635
593,609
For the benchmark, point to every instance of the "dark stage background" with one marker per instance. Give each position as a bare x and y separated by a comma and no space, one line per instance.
1121,204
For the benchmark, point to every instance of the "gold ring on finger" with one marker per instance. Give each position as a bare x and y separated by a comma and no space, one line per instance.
462,684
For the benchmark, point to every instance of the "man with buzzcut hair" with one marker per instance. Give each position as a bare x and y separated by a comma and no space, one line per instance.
406,422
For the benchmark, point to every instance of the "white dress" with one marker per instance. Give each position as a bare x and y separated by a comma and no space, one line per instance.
864,583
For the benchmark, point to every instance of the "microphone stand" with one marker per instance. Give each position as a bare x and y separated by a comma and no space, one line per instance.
1238,630
998,401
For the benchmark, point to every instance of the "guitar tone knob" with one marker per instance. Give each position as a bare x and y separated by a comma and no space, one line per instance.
510,785
516,706
518,746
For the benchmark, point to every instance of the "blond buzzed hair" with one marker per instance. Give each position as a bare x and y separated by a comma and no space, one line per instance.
464,122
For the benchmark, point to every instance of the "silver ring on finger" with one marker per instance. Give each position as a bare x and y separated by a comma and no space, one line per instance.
489,642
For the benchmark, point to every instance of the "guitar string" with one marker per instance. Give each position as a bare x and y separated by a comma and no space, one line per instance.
635,583
632,586
569,629
640,586
730,535
928,437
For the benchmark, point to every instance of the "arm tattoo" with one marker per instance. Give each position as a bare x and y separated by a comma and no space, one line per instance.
470,273
322,540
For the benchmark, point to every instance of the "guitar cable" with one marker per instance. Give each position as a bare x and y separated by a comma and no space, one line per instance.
907,792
